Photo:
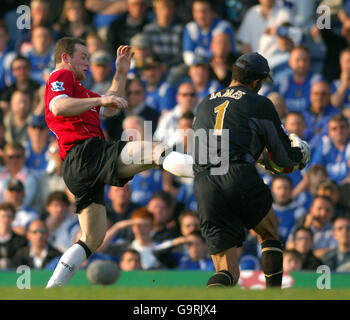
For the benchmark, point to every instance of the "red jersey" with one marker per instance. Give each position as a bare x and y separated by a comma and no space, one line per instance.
70,130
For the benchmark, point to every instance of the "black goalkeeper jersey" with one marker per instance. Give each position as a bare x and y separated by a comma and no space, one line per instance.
234,125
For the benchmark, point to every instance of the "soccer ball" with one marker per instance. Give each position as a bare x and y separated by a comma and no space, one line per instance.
265,160
103,272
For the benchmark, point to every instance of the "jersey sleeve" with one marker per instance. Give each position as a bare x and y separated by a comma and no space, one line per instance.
59,85
277,139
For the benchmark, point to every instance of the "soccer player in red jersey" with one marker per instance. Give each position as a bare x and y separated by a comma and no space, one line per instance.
89,161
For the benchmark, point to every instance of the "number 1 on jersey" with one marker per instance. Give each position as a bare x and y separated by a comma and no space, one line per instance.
220,114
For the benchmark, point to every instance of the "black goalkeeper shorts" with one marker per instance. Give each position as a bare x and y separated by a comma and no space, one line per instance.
229,203
89,166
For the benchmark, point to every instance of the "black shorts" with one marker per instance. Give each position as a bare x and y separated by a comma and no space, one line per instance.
89,166
229,203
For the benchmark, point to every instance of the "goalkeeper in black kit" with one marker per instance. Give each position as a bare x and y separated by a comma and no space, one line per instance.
235,125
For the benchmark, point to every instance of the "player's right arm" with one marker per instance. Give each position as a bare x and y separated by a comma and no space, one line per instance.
67,106
60,90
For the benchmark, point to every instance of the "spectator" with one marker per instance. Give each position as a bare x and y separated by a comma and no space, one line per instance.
168,123
306,190
74,20
39,252
137,105
15,168
41,55
14,194
132,22
21,70
292,261
341,87
252,31
140,45
7,56
165,34
222,60
50,180
60,223
295,123
161,206
10,241
199,75
94,43
17,119
37,150
130,260
287,211
197,258
339,256
280,105
121,206
302,242
332,190
101,74
278,61
333,150
198,33
160,94
105,12
318,115
39,15
319,221
296,87
142,227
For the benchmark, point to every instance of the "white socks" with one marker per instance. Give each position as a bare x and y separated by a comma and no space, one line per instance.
179,164
67,266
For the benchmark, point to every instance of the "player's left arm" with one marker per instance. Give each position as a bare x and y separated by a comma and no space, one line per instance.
122,63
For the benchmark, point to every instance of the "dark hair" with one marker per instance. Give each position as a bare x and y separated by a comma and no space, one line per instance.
165,196
209,2
66,45
20,58
59,196
187,115
283,177
133,251
245,77
293,253
339,118
188,214
8,206
324,198
302,228
198,235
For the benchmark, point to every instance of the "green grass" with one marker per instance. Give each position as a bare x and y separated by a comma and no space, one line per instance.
173,293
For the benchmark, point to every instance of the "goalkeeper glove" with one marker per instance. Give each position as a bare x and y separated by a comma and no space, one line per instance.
303,146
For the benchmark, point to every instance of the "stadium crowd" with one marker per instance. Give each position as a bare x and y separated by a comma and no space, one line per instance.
183,51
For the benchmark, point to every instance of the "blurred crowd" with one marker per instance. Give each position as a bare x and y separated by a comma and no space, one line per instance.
183,51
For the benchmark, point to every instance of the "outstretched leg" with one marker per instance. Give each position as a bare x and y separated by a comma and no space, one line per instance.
139,156
271,248
93,224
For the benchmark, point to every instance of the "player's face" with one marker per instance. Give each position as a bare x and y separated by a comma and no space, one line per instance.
79,63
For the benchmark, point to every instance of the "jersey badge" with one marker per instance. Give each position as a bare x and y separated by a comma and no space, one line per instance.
57,86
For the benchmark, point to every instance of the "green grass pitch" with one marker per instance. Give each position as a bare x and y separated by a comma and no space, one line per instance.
172,293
